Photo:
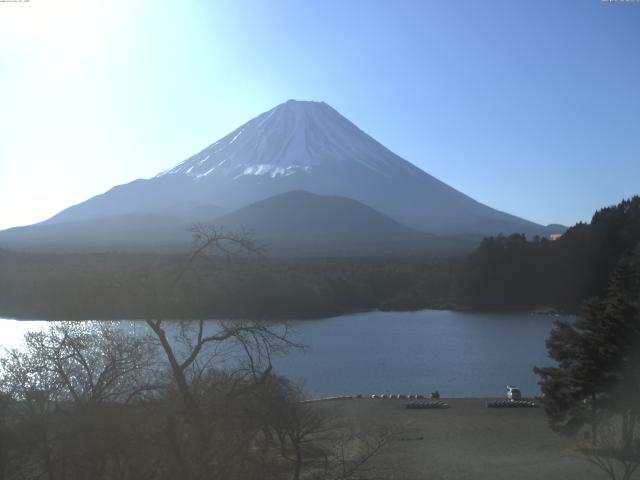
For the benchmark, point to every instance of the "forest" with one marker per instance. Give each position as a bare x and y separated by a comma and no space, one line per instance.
505,273
116,286
513,273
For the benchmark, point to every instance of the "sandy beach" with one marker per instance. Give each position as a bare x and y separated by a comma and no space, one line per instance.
467,441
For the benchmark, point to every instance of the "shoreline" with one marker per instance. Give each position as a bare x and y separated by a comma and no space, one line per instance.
551,312
335,398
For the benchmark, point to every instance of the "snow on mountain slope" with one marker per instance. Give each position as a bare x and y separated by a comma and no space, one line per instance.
292,138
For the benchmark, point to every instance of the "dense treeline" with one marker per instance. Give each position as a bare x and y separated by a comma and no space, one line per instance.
513,273
102,286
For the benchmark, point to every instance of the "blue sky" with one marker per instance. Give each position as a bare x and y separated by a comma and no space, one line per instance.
532,107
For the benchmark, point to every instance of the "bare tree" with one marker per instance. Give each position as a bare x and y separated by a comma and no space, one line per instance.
313,437
63,383
189,399
194,347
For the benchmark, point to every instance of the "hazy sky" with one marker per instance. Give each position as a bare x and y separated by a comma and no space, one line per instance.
532,107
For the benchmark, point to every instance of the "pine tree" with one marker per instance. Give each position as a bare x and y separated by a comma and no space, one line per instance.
597,375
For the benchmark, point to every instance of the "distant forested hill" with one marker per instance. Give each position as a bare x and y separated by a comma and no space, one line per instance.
120,285
516,274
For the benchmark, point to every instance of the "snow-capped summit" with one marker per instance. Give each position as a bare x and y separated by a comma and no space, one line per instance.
295,137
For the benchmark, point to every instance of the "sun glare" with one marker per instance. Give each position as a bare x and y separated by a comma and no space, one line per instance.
54,38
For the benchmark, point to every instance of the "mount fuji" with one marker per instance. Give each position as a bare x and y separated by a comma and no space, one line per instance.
296,146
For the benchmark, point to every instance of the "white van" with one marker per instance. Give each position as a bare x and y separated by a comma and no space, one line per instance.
513,393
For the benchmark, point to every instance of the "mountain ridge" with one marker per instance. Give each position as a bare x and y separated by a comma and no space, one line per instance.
302,146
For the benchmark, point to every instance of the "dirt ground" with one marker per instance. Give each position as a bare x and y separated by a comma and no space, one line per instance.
467,441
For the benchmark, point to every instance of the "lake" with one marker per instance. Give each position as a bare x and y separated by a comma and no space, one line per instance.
457,353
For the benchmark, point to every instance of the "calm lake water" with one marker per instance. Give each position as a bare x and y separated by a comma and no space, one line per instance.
459,354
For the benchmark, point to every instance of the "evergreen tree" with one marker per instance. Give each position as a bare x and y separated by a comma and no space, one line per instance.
597,375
